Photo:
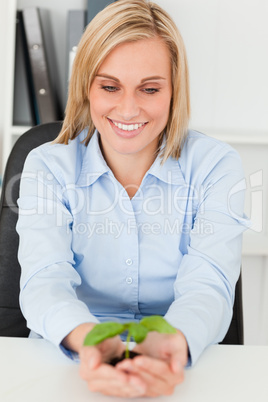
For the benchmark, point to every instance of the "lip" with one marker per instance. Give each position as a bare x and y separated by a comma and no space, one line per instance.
124,133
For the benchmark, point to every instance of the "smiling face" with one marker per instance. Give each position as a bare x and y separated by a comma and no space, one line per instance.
130,98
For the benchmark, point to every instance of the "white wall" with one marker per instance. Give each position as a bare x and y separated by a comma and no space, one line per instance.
227,46
226,43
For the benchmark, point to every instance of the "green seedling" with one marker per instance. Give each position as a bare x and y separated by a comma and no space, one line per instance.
135,331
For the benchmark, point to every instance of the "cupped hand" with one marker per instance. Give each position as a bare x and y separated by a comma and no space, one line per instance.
172,348
161,364
104,378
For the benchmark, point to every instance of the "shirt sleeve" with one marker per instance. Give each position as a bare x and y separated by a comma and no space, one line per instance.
48,283
205,284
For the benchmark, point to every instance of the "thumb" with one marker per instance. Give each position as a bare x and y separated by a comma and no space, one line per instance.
176,365
90,356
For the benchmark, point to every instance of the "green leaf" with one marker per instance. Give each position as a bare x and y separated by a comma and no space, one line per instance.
159,324
137,331
103,331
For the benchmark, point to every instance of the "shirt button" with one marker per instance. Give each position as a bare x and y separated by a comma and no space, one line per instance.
129,261
129,281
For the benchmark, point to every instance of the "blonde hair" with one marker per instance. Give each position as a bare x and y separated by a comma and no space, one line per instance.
120,22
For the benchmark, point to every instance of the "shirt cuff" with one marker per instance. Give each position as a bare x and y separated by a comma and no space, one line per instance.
70,354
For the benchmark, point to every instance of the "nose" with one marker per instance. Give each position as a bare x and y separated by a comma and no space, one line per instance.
128,107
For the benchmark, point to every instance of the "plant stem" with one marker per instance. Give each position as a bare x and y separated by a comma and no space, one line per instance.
127,346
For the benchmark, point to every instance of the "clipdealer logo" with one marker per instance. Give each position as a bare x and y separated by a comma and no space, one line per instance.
46,191
255,190
116,229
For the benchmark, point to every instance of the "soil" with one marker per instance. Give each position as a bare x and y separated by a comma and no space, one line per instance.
116,360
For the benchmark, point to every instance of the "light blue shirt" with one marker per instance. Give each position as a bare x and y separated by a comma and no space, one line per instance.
89,253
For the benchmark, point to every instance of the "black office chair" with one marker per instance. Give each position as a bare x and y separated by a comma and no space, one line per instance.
12,322
235,334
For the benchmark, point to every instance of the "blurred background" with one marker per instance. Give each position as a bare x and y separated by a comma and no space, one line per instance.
227,47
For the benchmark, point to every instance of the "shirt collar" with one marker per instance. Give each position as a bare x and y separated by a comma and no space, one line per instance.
93,165
169,172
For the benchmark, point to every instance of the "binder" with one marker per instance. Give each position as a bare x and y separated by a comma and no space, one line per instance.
52,60
23,107
45,105
95,6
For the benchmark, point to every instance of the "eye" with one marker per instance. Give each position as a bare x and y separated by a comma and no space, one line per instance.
150,91
109,88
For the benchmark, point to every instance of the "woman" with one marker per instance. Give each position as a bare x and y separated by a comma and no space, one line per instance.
128,213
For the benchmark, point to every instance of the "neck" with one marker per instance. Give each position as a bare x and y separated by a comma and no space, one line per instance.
129,170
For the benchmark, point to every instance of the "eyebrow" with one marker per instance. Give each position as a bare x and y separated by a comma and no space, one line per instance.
153,78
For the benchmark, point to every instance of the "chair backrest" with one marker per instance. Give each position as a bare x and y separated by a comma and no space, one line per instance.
12,322
235,334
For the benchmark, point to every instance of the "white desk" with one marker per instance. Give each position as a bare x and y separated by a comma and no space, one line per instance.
33,370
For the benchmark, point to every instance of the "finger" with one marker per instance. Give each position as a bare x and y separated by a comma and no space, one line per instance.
155,385
160,370
107,372
103,352
156,374
109,381
104,372
164,346
177,364
114,387
110,348
90,359
127,366
156,367
122,375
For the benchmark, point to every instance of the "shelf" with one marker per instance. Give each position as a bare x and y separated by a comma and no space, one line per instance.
248,137
19,130
255,245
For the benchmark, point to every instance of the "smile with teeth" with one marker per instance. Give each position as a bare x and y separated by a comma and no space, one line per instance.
128,127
